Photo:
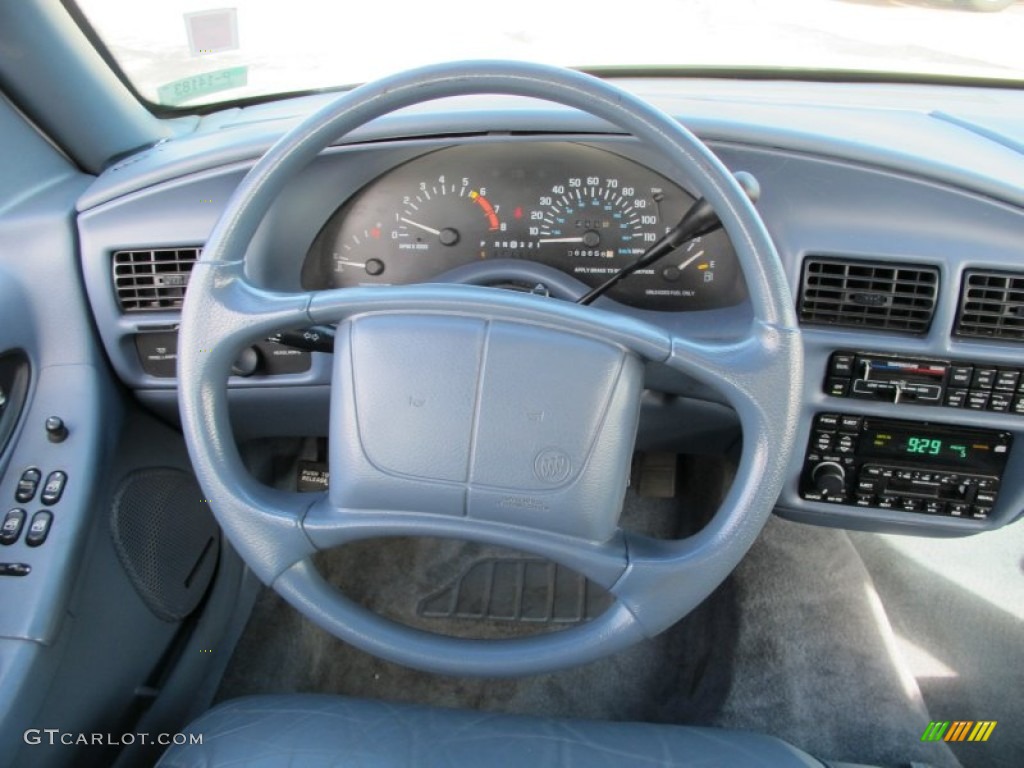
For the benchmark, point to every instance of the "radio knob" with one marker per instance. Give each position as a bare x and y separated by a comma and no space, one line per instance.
829,478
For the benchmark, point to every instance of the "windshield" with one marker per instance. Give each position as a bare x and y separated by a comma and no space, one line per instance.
184,53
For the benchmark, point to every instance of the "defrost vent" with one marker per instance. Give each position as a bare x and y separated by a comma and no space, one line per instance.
878,296
991,306
152,279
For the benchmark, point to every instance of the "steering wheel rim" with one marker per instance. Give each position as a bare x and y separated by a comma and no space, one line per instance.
655,582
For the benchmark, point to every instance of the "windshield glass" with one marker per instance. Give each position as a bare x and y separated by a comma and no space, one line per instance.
183,53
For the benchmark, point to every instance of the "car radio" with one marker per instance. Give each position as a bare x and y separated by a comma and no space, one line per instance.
904,465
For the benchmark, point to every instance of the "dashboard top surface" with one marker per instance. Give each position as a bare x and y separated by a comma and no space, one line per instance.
969,137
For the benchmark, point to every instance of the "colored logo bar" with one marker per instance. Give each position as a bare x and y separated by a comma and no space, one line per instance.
959,730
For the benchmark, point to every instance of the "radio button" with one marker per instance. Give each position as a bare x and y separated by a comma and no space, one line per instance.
955,398
888,502
873,471
959,509
846,444
822,441
867,486
977,401
1007,380
981,513
960,375
985,497
1018,405
935,507
910,504
828,420
851,423
841,365
984,378
837,387
1000,401
865,500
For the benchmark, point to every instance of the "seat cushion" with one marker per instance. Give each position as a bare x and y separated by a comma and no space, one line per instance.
318,731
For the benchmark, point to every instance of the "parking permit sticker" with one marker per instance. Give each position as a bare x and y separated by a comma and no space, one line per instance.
212,31
180,91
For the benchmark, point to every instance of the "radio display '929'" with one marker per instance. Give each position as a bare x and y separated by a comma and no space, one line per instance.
985,451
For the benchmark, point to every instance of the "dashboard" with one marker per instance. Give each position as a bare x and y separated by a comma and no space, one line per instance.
897,212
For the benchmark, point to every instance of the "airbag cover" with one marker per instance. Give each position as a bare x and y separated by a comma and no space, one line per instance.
495,420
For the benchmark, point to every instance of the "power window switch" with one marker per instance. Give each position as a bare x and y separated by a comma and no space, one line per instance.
28,484
14,520
54,488
39,528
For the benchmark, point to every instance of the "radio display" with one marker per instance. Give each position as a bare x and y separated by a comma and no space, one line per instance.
942,446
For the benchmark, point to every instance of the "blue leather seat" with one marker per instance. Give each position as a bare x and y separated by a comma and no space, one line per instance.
319,731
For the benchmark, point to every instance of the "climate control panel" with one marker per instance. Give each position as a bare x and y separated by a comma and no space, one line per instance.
909,466
924,381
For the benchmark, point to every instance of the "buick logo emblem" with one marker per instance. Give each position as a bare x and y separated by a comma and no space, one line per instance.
552,466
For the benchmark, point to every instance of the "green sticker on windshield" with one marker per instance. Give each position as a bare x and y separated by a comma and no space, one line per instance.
188,88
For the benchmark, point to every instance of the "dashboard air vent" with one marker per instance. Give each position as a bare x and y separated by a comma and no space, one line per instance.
152,279
872,295
991,306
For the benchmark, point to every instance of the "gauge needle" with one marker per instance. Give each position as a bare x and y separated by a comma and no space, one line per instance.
347,263
690,260
424,227
560,240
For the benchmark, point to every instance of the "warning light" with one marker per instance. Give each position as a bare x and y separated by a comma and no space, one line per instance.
702,266
375,233
518,212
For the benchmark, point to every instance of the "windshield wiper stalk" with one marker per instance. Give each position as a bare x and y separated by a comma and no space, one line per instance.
699,220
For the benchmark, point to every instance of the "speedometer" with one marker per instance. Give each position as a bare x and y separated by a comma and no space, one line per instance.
594,218
583,210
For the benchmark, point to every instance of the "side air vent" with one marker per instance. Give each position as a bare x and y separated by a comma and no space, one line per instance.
871,295
991,306
149,280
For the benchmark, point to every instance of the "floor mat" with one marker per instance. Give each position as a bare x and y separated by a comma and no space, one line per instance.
815,660
531,590
794,644
957,606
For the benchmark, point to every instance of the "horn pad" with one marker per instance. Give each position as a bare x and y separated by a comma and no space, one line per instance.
461,415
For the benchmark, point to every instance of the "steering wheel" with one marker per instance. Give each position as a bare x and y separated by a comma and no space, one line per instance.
466,412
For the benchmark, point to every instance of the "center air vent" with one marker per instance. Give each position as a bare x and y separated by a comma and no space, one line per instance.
148,280
871,295
991,306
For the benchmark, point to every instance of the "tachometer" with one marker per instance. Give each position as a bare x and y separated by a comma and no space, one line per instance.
418,224
436,214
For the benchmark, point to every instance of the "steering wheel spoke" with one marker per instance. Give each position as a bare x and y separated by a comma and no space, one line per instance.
603,562
752,372
234,312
